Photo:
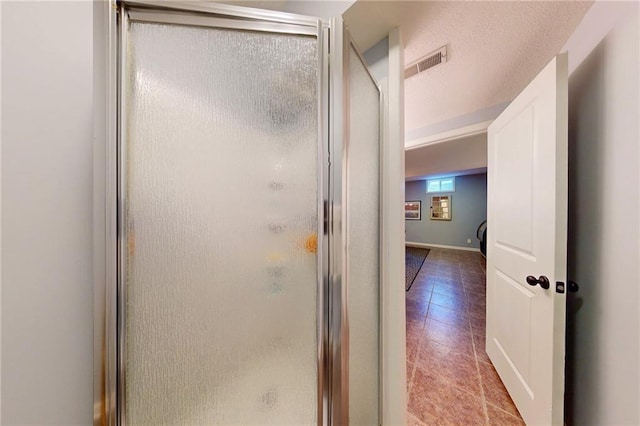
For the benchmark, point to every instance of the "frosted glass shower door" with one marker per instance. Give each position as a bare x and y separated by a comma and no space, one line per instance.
363,242
219,185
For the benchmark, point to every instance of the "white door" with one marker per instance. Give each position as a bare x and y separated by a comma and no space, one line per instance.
527,218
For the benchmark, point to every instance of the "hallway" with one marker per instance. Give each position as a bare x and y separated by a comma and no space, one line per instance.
450,380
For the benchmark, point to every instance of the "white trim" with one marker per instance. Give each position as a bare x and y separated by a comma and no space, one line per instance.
462,132
0,232
394,370
429,245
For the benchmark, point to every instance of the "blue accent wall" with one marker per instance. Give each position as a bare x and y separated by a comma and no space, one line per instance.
468,208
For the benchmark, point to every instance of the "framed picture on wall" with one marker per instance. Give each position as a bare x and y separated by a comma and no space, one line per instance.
412,210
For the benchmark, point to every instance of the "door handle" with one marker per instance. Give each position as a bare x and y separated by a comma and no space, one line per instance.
542,281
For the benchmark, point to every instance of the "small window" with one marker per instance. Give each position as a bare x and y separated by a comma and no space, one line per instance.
441,185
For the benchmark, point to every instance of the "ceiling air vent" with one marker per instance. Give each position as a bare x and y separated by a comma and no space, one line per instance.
429,61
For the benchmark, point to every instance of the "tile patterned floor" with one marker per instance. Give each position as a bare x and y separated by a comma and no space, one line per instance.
449,377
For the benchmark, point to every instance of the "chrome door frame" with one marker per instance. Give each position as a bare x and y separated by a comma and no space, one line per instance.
338,318
109,321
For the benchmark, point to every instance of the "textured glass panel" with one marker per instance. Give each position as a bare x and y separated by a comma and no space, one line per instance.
447,185
363,244
221,211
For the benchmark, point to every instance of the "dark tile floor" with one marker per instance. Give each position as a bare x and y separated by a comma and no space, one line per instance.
450,380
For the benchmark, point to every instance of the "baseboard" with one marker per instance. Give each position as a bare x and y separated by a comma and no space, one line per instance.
429,245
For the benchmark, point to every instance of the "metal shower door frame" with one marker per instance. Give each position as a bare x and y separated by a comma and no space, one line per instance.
223,17
110,239
109,365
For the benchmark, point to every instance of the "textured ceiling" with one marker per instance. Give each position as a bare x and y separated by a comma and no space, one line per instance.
494,48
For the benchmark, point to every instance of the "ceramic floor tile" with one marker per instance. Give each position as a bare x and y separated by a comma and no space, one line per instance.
481,353
415,324
475,300
451,300
436,402
450,380
454,369
436,279
472,271
448,289
497,417
413,420
450,276
494,391
452,336
414,338
477,313
479,327
410,370
477,286
417,294
481,291
449,316
416,309
410,366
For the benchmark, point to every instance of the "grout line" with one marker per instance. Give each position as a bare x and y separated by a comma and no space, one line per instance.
422,338
419,346
410,387
475,353
482,395
420,341
495,407
475,350
420,422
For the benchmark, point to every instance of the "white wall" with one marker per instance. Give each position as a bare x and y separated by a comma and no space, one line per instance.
47,287
603,350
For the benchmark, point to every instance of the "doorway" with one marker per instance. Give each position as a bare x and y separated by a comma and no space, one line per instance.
525,323
446,303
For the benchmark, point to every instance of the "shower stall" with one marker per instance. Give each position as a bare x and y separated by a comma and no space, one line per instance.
243,285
